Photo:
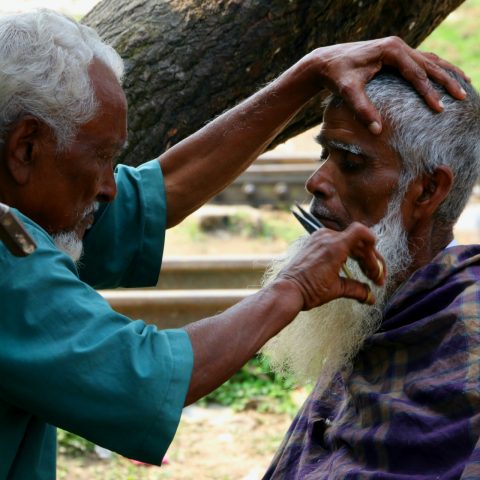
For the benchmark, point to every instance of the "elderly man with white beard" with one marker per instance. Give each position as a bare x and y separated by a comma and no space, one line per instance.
66,358
398,386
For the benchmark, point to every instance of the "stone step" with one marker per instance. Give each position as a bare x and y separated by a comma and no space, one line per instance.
172,308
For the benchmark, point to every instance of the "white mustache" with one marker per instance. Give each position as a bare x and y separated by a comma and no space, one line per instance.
89,210
320,210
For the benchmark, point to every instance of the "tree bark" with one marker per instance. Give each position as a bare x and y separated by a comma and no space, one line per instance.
189,60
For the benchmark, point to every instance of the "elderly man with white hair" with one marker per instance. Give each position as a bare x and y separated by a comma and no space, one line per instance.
398,386
66,358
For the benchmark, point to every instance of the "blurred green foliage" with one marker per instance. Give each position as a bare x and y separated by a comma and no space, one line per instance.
71,444
255,387
457,39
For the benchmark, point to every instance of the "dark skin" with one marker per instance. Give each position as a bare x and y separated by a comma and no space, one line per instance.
359,174
55,188
225,147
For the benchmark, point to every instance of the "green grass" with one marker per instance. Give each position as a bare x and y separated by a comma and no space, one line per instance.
255,387
457,40
71,444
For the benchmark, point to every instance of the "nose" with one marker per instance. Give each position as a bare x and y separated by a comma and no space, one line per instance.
108,186
320,183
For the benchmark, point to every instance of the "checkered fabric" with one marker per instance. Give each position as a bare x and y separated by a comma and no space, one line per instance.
410,407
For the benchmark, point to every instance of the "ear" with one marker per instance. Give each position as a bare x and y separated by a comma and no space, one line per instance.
429,191
21,144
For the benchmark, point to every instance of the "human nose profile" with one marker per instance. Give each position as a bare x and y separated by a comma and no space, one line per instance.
320,183
108,187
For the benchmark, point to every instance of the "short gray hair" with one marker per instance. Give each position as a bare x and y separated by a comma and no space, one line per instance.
44,59
424,140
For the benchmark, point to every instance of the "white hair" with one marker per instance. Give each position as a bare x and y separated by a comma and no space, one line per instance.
424,139
44,59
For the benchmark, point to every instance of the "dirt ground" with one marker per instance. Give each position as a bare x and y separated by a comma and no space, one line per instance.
212,443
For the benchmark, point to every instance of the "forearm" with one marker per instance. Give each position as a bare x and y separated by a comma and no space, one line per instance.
206,162
222,344
225,342
214,156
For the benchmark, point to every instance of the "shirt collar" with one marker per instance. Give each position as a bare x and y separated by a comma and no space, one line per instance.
453,243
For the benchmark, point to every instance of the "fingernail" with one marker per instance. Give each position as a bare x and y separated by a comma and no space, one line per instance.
463,92
375,128
442,106
369,299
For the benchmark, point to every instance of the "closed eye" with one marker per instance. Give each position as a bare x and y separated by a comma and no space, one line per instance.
324,155
351,163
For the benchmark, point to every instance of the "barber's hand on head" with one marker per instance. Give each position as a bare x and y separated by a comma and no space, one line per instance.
346,68
315,270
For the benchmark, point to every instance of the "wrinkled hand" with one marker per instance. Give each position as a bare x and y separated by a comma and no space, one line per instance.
346,68
315,270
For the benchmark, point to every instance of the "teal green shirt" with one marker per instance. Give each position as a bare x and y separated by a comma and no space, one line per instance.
68,360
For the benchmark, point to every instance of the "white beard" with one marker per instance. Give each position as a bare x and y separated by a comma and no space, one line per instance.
324,341
69,242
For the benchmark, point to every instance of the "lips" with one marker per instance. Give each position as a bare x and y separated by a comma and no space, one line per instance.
326,218
87,219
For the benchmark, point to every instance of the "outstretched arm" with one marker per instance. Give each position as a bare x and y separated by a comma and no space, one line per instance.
206,162
223,343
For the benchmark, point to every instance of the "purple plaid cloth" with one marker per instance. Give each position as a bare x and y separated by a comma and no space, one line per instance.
411,406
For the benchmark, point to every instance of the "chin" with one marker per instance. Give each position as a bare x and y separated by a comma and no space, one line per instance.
69,243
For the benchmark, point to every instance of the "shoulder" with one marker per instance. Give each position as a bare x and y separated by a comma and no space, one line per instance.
40,262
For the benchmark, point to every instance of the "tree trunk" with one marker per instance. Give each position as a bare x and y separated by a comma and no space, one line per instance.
189,60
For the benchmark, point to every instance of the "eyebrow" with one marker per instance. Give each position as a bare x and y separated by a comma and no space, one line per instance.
335,144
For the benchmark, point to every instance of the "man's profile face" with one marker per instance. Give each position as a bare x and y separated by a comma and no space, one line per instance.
356,182
62,186
358,175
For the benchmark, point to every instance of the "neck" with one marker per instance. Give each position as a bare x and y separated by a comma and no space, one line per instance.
425,245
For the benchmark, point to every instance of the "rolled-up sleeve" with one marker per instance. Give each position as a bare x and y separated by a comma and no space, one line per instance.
68,358
124,247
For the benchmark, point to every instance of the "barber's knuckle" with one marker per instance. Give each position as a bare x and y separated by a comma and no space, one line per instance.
318,237
421,74
394,43
432,56
432,66
346,88
356,227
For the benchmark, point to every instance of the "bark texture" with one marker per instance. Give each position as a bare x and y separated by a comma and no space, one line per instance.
189,60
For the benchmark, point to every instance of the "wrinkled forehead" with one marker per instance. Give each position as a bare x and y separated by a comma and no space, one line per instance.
342,131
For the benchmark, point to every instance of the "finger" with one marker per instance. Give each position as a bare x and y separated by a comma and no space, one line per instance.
445,65
361,244
443,78
416,74
355,97
357,291
411,65
373,266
